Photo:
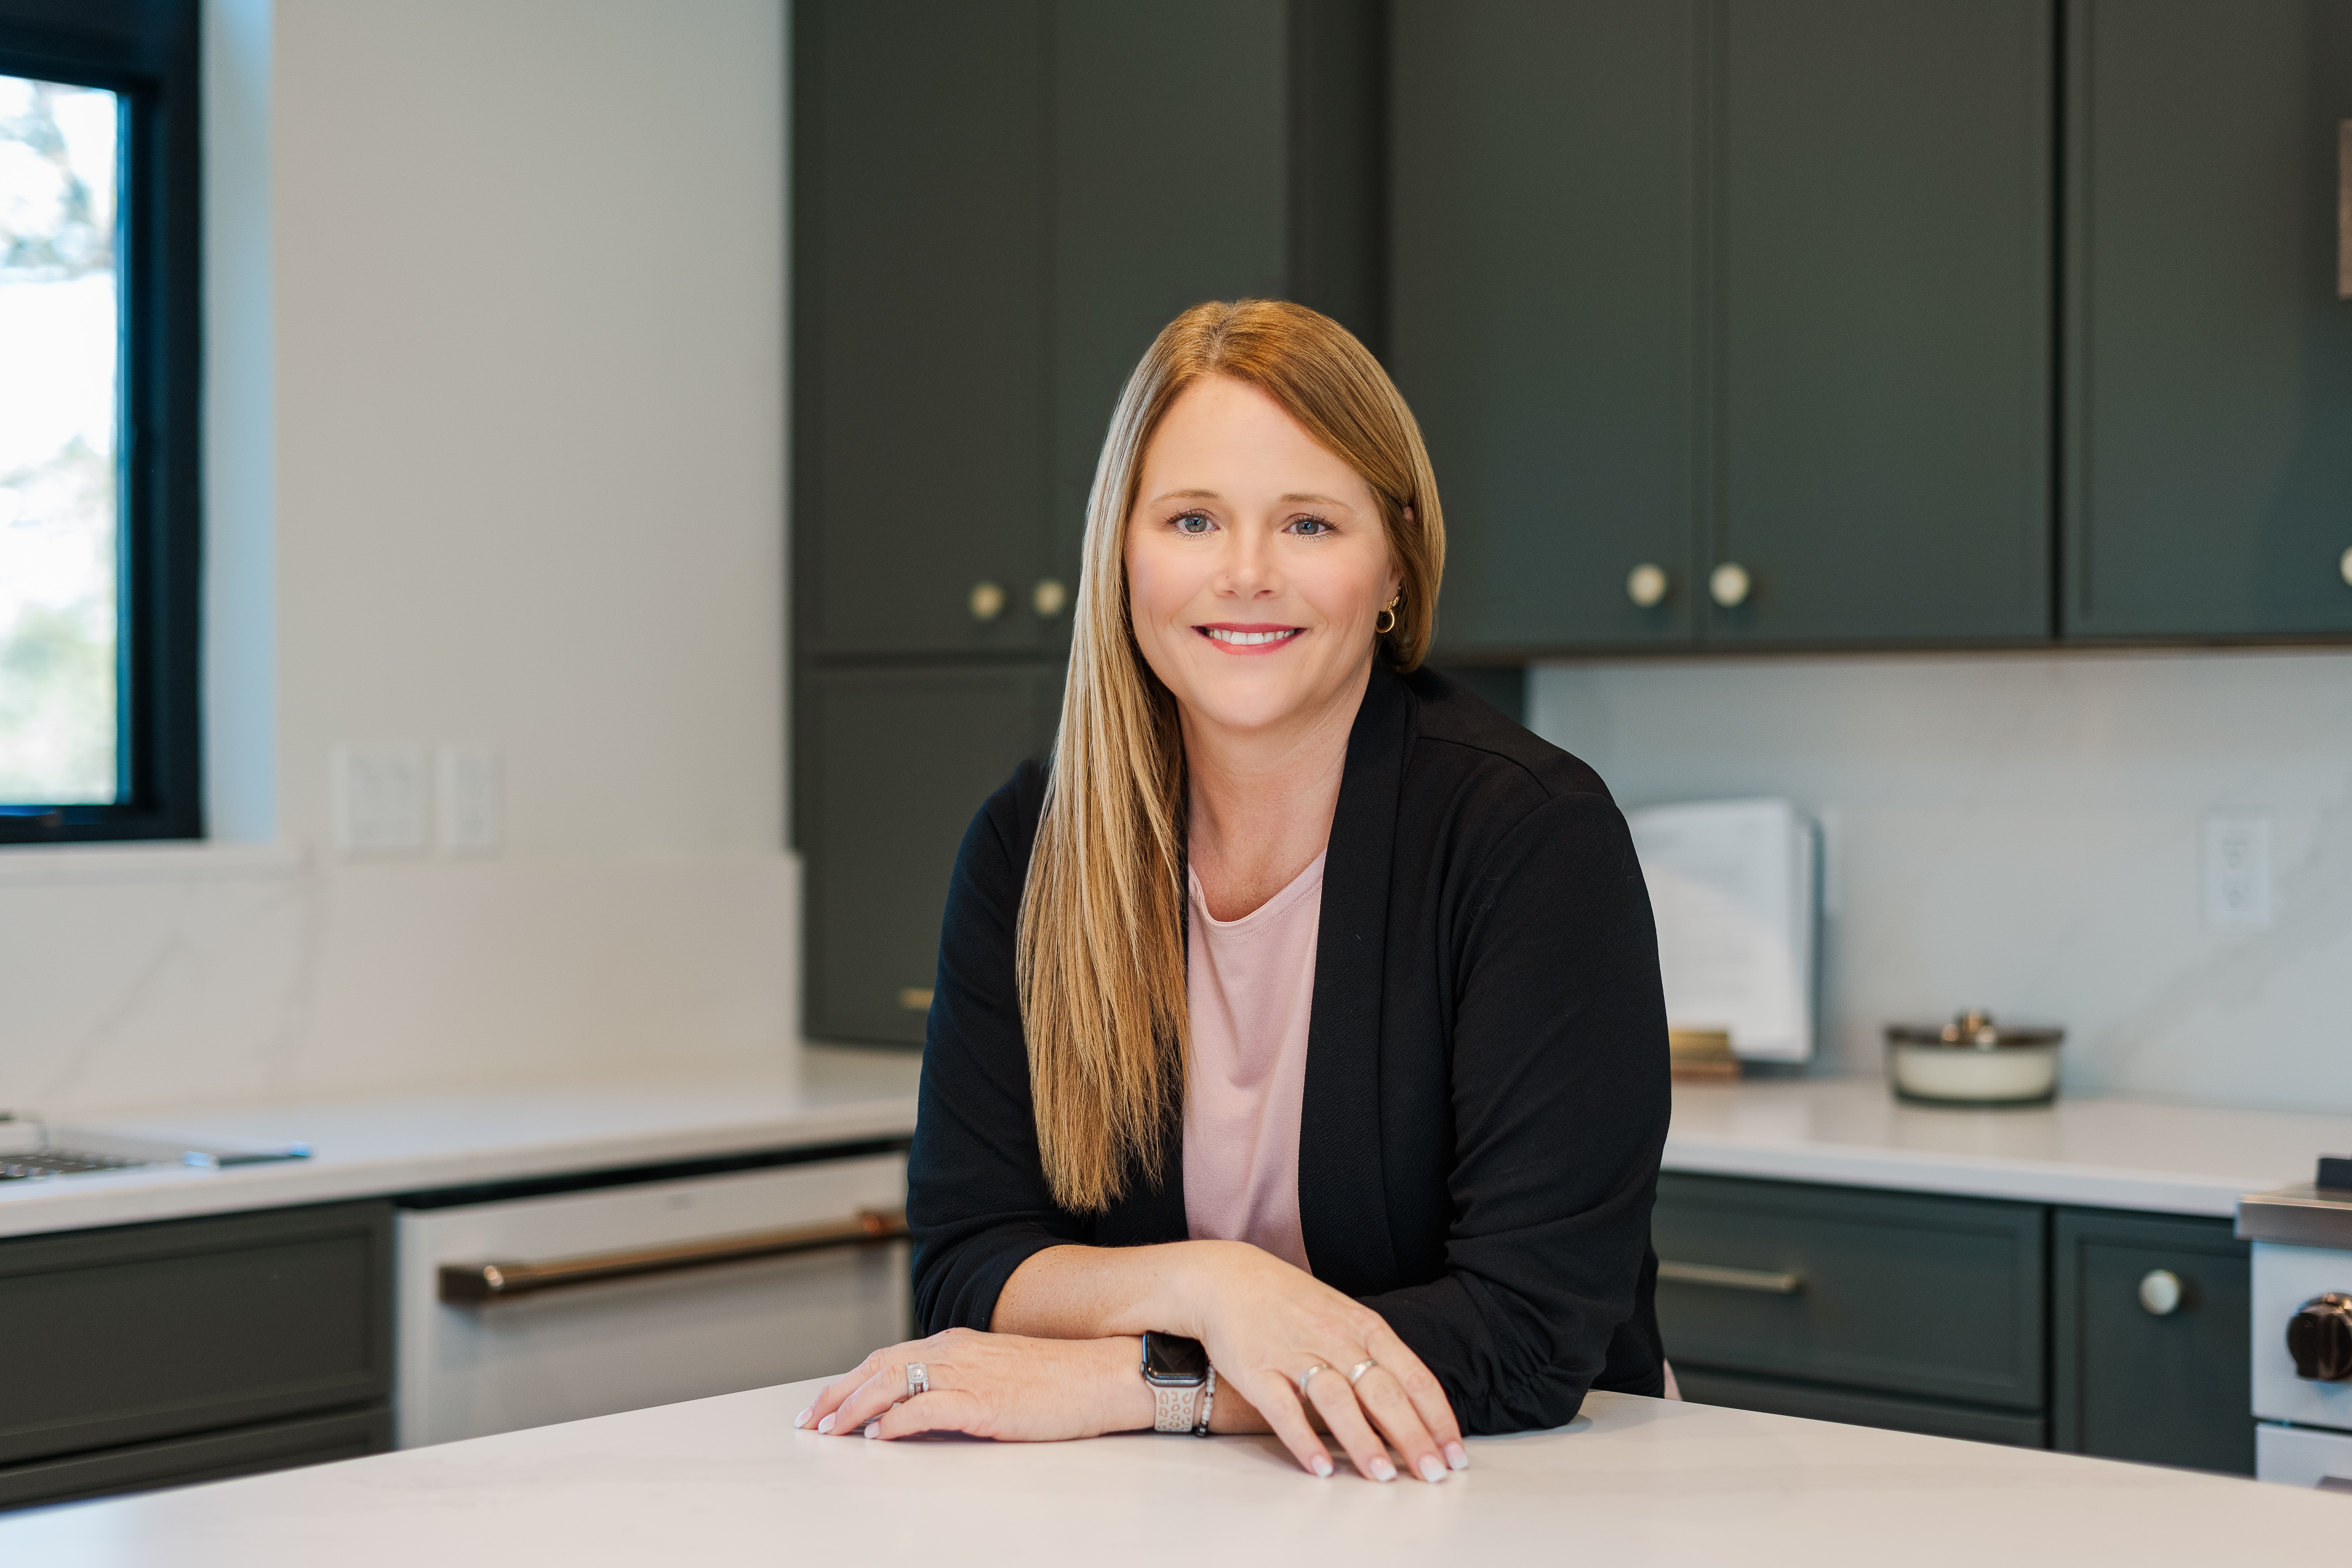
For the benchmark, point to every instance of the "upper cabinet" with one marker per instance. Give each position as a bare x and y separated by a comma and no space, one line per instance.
997,205
2210,355
1730,323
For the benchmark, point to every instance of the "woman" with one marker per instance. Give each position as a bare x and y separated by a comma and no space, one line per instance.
1307,1008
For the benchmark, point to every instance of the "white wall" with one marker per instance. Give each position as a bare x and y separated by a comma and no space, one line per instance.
2023,833
496,446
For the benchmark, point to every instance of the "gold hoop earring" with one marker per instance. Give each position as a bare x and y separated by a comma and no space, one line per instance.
1389,610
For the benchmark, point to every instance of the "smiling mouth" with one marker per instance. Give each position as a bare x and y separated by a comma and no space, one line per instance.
1249,636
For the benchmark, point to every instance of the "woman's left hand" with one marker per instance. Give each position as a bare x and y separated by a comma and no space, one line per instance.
1005,1386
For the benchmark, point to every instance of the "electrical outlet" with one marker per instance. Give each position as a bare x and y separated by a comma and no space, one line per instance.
381,804
469,800
2238,870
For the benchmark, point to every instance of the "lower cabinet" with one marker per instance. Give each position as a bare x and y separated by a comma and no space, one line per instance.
191,1350
1997,1321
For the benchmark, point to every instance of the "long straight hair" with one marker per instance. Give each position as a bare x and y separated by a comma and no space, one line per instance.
1100,944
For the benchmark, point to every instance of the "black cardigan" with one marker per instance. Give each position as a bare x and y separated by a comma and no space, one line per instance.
1487,1091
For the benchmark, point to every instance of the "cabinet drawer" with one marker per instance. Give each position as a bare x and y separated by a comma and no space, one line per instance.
1896,1412
150,1331
1895,1291
209,1457
2172,1388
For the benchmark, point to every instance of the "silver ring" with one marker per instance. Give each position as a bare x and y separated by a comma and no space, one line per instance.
1358,1370
1309,1376
918,1378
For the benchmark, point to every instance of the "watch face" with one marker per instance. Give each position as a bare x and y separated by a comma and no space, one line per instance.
1168,1358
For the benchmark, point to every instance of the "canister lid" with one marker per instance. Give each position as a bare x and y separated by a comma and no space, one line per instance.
1974,1030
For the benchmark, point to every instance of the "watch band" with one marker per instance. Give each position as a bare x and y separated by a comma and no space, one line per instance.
1208,1398
1172,1408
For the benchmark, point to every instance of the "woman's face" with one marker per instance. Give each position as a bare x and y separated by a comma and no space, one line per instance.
1256,562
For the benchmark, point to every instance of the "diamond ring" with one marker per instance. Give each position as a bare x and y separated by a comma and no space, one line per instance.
918,1378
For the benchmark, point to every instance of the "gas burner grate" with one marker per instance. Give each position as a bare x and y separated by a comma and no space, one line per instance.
36,1163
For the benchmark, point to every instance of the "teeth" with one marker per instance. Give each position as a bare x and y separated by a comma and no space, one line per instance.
1248,639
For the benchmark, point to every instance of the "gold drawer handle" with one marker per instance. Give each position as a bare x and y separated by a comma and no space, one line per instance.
1762,1282
473,1283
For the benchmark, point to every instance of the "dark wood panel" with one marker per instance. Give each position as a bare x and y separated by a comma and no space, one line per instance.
211,1457
2210,486
898,761
1900,1292
1884,335
125,1335
2175,1388
922,332
1542,307
1817,1402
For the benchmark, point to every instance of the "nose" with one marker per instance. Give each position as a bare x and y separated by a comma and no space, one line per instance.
1248,570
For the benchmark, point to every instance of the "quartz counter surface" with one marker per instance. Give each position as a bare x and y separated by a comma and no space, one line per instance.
2105,1153
1631,1481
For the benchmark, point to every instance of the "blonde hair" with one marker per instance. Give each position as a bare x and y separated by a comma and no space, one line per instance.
1100,945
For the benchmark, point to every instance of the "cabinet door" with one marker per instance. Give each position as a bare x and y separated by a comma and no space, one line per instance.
1883,350
897,763
2169,1388
921,326
206,1457
1542,309
1171,186
2209,482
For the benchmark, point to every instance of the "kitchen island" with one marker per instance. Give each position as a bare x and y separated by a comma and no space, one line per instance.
1631,1481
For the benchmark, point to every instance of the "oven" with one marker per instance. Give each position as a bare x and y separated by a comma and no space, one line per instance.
2302,1349
519,1311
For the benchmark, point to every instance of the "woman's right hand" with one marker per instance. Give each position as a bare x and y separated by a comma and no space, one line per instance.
1266,1324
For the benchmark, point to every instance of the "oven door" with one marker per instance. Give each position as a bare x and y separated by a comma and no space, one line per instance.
533,1310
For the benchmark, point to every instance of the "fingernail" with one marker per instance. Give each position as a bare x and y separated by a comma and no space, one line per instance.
1383,1471
1322,1465
1456,1457
826,1425
1431,1470
800,1420
873,1428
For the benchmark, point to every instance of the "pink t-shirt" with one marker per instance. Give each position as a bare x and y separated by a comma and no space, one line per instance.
1251,986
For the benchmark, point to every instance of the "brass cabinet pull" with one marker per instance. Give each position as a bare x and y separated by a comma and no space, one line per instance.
1646,586
1762,1282
1728,585
474,1283
986,601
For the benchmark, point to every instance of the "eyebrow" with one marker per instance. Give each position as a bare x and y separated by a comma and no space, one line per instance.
1295,497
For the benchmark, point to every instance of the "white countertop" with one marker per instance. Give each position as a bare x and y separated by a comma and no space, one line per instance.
374,1147
1631,1481
2110,1153
2113,1153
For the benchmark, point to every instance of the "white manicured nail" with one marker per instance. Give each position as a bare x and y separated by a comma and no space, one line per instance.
826,1425
1431,1470
1383,1471
1323,1466
873,1428
1455,1457
800,1420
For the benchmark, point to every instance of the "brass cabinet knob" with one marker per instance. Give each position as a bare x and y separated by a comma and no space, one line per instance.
1728,585
1048,597
2160,1292
1646,586
2345,565
987,601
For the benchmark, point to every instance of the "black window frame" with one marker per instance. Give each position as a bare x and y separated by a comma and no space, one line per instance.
146,50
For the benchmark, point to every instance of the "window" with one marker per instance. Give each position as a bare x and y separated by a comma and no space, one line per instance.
99,453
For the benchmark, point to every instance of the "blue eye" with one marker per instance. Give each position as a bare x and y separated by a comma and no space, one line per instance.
1192,525
1310,528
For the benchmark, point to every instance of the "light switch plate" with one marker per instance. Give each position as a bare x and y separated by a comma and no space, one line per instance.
2237,870
469,815
382,800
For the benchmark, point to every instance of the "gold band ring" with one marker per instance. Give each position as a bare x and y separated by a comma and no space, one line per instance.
1309,1376
1358,1370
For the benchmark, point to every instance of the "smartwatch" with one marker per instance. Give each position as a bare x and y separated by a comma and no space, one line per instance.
1182,1383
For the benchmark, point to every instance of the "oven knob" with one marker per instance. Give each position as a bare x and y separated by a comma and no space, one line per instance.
2319,1337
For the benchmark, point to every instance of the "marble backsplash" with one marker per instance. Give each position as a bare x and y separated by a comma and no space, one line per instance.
2025,833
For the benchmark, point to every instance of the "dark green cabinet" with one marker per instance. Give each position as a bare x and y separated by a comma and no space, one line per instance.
900,761
997,204
2151,1319
153,1355
2209,488
1688,286
1999,1321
